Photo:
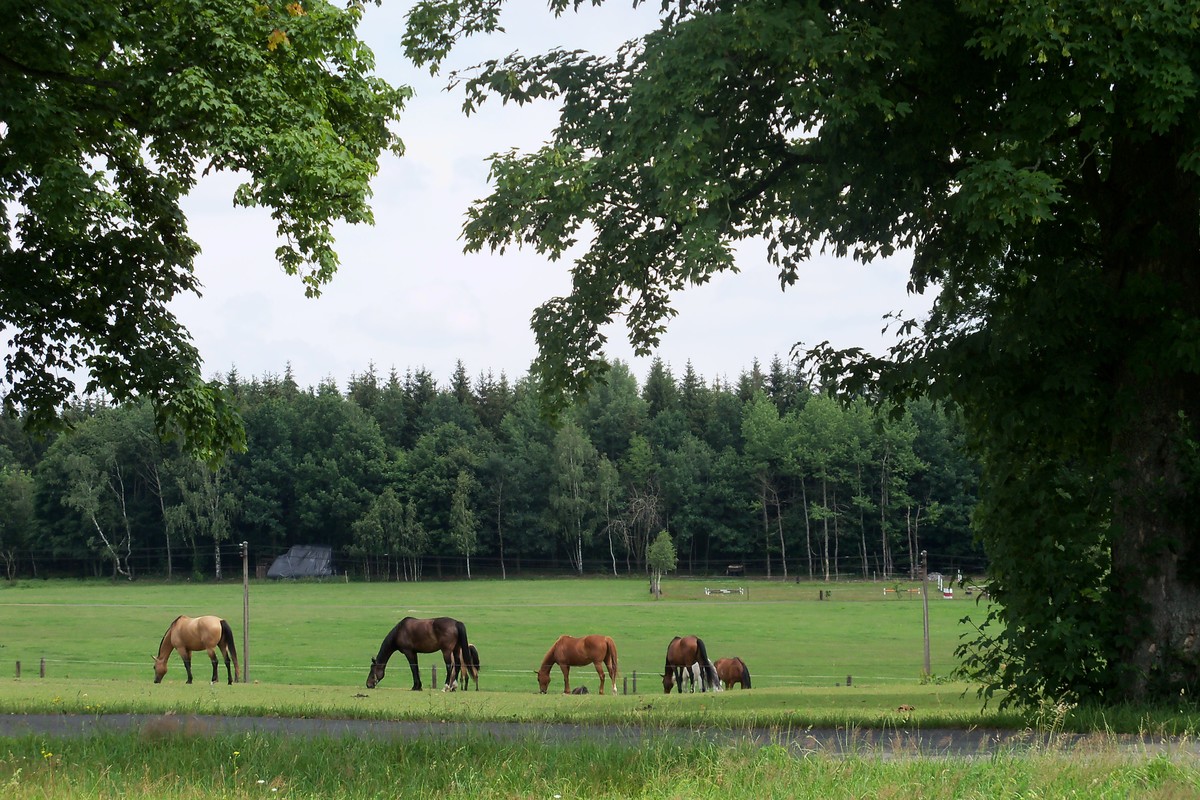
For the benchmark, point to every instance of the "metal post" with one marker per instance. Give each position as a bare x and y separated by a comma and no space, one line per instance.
434,680
635,681
18,669
245,612
925,609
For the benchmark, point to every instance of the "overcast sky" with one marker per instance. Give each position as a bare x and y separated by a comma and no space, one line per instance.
406,296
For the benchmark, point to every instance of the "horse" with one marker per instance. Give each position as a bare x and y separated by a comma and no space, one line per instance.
471,664
682,652
187,634
695,674
733,670
412,636
569,651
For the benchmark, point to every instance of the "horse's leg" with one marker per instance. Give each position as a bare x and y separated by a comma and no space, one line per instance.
566,671
228,669
187,665
452,668
212,656
679,678
599,665
411,655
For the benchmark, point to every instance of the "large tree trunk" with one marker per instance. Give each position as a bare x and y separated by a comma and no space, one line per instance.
1156,551
1154,261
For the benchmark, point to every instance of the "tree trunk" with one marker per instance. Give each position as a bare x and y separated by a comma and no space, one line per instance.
1154,267
1156,550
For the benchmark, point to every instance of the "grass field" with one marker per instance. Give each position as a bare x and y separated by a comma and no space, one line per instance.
311,643
326,633
854,658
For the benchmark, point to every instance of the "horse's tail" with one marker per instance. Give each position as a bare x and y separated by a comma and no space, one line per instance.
465,658
745,674
610,661
227,640
707,671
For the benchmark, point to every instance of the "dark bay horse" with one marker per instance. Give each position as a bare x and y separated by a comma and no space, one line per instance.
682,653
187,634
412,636
569,651
733,670
469,668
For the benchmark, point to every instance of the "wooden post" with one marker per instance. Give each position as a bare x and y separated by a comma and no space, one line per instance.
925,603
245,612
43,667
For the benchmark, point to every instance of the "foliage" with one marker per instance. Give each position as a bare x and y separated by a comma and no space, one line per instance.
320,468
1023,154
661,559
112,110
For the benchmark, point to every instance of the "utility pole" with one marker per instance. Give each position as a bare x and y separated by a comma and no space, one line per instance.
925,604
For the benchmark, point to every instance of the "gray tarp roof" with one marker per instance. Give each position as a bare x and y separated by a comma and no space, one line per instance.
303,561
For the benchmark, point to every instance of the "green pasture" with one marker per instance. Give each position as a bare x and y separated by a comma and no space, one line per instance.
854,657
325,633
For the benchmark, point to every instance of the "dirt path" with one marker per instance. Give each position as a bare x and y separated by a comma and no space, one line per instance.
869,743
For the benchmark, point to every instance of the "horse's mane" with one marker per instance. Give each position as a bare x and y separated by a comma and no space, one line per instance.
382,656
163,642
548,659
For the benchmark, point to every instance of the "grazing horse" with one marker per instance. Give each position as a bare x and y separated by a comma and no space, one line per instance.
733,670
569,651
187,634
469,668
412,636
682,652
695,674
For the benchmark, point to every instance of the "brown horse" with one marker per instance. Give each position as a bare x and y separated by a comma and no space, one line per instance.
471,662
733,670
569,651
412,636
682,653
187,634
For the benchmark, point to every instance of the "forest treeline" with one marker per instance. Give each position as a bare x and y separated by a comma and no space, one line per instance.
400,475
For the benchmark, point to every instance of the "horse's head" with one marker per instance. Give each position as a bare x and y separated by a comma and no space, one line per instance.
160,669
543,676
668,681
376,673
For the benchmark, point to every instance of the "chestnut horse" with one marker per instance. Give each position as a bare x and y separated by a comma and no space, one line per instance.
569,651
186,635
471,662
733,670
682,653
412,636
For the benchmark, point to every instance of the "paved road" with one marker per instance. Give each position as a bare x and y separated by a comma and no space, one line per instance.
837,742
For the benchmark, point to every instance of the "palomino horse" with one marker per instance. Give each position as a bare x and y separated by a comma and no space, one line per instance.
187,634
471,664
569,651
412,636
733,670
682,653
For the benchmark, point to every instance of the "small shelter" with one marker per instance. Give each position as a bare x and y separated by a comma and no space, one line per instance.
303,561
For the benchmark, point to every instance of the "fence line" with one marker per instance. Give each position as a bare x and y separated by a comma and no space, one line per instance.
789,679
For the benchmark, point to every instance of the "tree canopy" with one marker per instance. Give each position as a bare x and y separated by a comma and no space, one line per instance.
1042,162
111,111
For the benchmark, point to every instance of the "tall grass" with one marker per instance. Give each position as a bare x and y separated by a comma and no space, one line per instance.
172,763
